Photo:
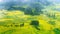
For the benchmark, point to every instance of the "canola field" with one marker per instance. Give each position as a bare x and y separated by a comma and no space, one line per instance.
19,21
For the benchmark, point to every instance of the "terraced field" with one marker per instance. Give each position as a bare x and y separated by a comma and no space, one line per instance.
16,22
29,18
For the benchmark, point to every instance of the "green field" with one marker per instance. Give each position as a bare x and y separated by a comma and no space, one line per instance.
16,22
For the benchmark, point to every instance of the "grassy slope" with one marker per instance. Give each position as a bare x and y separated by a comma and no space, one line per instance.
47,24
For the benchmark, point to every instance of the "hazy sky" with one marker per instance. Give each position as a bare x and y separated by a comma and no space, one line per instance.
6,3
